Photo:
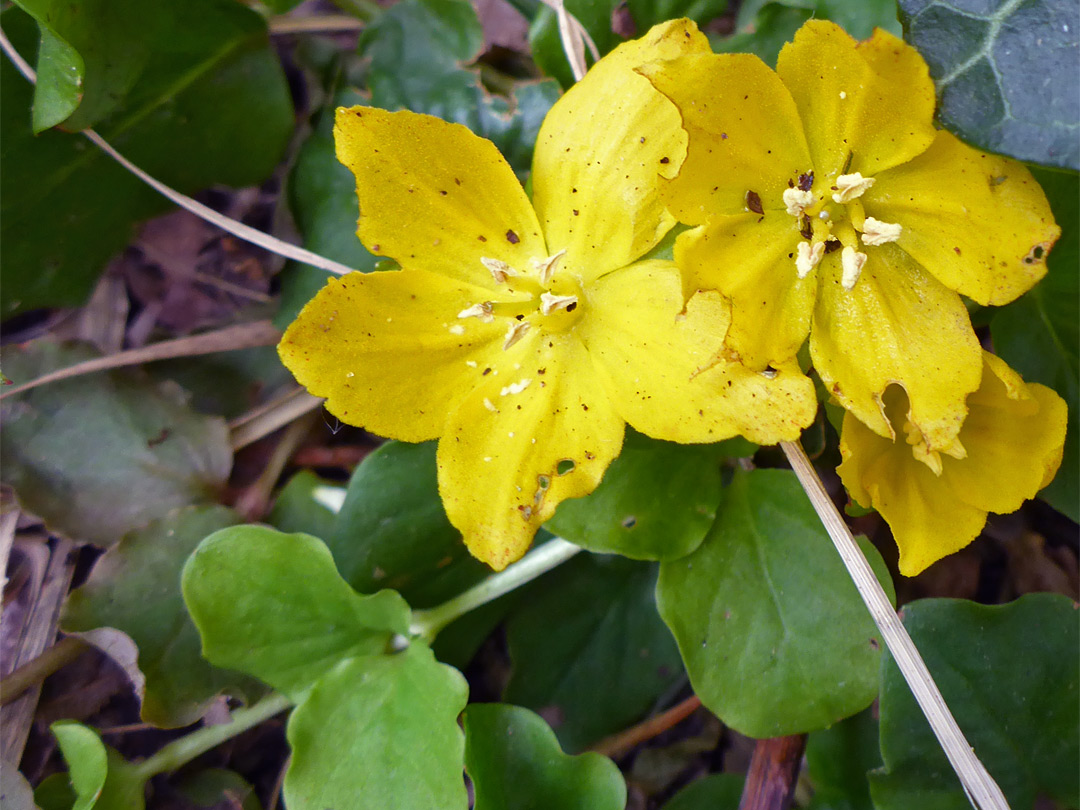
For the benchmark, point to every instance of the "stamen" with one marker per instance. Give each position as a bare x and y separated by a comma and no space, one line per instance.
515,332
808,258
797,200
500,270
481,311
850,186
546,267
851,261
876,232
549,303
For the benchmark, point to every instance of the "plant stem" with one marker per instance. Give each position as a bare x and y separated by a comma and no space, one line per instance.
982,791
34,671
181,751
427,623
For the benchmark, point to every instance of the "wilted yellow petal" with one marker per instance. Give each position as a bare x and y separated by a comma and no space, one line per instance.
599,154
745,134
1014,435
872,102
523,442
750,258
434,196
980,223
387,351
898,324
928,522
659,364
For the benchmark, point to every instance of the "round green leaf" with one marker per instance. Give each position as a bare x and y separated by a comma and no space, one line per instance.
1009,673
101,778
589,649
135,587
772,630
838,760
274,606
656,502
1000,71
515,763
307,504
382,731
100,455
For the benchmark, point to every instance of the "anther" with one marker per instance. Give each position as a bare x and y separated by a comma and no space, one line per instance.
481,311
549,303
876,232
808,257
797,200
851,261
515,332
546,267
850,186
500,270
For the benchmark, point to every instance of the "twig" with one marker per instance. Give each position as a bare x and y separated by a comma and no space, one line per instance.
982,791
265,419
618,744
322,24
36,670
774,770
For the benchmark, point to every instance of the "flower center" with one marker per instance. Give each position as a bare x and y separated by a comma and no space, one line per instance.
553,304
931,458
831,221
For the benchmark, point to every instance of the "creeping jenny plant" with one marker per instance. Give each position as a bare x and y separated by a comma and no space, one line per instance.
525,335
828,204
1009,448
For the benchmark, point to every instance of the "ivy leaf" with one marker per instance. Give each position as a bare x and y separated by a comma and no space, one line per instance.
274,606
383,728
838,760
515,763
770,626
656,502
101,778
1009,675
100,455
997,67
719,791
1039,334
67,207
135,587
611,659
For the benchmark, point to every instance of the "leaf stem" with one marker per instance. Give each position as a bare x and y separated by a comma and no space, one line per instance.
427,623
981,789
181,751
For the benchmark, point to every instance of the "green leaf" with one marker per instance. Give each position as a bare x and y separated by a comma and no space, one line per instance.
515,763
66,207
274,606
135,587
1039,334
999,68
589,649
214,788
101,778
1009,675
100,455
838,760
769,624
858,17
59,81
307,504
656,502
383,728
546,45
720,791
647,13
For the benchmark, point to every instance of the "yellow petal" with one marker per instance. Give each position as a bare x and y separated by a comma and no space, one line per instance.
434,196
897,325
1014,436
745,134
980,223
523,442
388,352
600,151
750,258
927,520
659,363
872,101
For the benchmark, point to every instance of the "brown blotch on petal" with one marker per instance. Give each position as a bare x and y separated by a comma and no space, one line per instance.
512,237
753,202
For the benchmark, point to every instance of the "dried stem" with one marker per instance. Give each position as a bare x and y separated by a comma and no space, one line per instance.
774,770
618,744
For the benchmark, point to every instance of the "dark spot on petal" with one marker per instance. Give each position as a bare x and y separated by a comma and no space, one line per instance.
512,238
482,238
664,160
485,372
571,306
956,250
753,202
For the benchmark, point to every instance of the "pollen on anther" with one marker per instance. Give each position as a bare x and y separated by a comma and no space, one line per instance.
808,257
850,186
481,311
500,270
797,200
876,232
545,268
515,332
549,303
851,262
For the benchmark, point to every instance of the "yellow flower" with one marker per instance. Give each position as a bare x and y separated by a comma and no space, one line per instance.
525,335
828,204
1009,448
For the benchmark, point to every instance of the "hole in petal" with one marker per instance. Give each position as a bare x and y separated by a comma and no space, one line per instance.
565,466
